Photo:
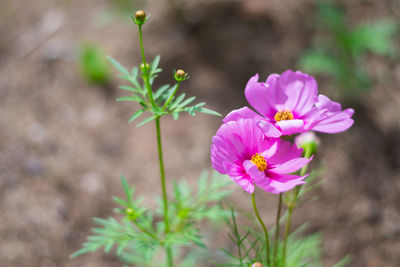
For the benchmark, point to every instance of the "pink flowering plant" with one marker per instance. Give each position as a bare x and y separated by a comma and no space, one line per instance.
267,149
253,150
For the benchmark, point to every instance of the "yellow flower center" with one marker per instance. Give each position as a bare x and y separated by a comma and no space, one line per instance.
259,161
283,115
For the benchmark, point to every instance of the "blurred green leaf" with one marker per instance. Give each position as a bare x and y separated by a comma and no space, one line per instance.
93,64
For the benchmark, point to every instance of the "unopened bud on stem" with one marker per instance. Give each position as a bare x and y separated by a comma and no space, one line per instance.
180,75
140,17
257,264
308,141
144,67
129,211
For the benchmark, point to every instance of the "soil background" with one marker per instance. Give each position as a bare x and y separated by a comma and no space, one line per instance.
65,143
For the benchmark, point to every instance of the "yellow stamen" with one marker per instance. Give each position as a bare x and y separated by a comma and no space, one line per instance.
283,115
259,161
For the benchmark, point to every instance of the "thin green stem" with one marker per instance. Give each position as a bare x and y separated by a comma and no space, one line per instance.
159,145
164,189
162,174
146,70
278,216
253,197
292,204
145,230
172,96
169,257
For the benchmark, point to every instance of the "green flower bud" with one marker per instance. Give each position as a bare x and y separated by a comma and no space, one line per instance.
129,211
309,142
180,75
144,67
140,17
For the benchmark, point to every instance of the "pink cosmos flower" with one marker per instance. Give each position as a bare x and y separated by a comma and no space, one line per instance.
288,104
241,150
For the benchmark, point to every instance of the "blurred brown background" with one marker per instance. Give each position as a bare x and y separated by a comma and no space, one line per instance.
64,142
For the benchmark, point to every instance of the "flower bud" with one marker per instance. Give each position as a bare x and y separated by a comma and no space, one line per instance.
257,264
140,17
129,211
308,141
180,75
144,67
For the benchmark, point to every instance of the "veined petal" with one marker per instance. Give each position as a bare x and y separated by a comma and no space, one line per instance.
238,174
289,127
291,165
284,152
313,117
324,102
301,90
241,113
276,187
269,129
253,171
284,178
336,122
263,96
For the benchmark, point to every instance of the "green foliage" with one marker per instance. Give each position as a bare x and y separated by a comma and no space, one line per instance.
340,51
250,247
93,64
164,97
139,236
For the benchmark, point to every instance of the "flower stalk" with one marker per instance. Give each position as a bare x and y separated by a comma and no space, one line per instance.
278,216
308,151
146,79
253,197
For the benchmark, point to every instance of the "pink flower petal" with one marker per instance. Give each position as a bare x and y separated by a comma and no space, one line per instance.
241,113
276,187
263,96
269,129
286,151
237,174
313,117
284,178
253,171
291,165
336,120
335,123
289,127
301,90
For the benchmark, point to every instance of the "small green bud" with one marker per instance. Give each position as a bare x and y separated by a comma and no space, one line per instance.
144,67
131,214
140,17
257,264
309,142
180,75
129,211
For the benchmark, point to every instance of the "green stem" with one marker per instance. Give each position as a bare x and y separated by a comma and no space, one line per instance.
145,231
172,96
146,70
164,188
278,216
292,204
159,145
162,174
253,197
